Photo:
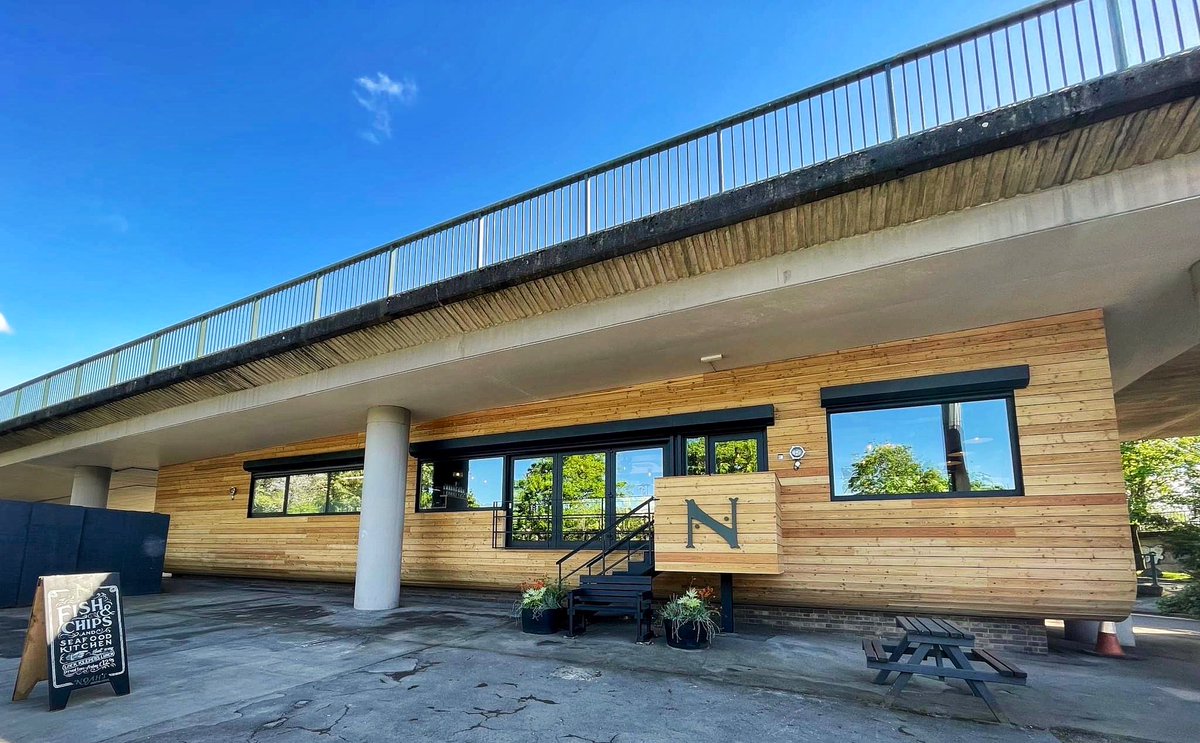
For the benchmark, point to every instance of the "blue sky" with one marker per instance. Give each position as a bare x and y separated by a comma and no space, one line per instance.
158,160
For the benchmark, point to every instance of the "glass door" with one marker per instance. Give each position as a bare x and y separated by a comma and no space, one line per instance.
532,517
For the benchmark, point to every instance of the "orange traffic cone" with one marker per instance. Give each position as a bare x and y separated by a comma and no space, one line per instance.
1106,641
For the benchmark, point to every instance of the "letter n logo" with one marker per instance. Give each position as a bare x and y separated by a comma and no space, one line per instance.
728,533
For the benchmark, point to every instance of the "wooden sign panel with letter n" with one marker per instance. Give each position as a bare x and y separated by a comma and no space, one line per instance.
76,637
718,524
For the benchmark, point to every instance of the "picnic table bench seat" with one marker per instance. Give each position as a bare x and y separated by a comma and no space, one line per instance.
1003,667
874,650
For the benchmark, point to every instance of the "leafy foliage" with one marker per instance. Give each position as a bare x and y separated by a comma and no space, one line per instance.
583,498
886,469
1162,480
345,491
1186,601
540,596
737,455
1184,542
893,469
693,607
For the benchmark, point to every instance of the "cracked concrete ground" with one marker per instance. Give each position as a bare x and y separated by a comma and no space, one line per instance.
216,660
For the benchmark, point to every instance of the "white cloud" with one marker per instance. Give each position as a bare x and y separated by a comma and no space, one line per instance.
377,95
5,328
117,222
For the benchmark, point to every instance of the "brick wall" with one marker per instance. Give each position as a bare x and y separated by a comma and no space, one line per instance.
1004,635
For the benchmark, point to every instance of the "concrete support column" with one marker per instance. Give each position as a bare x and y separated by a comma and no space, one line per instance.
90,486
381,525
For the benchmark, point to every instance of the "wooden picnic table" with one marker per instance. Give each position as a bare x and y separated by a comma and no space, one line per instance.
941,640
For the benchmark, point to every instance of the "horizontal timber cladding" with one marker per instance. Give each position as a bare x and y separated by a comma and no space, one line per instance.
1061,550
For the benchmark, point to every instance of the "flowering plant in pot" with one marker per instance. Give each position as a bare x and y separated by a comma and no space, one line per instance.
541,607
690,620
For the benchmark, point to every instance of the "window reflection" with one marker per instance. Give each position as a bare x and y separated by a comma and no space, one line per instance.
345,492
267,494
943,448
729,454
533,499
306,493
636,472
735,455
583,477
460,484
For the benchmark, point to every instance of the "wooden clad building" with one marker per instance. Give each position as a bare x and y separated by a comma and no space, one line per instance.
1049,539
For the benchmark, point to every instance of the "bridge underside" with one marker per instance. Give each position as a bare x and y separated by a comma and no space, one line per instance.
1099,216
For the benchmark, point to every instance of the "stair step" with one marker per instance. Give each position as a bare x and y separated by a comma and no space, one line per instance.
624,601
611,593
623,579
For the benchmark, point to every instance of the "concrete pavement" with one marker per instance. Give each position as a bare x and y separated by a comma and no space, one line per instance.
245,660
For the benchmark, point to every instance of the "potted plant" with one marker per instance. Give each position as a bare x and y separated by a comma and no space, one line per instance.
541,607
689,620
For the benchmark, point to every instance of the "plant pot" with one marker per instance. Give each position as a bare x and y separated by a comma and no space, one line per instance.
687,636
547,623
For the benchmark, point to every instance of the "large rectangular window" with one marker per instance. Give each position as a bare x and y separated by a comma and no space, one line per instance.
306,493
948,448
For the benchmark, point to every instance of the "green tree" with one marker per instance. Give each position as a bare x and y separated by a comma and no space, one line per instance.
1162,480
533,501
583,496
888,469
345,491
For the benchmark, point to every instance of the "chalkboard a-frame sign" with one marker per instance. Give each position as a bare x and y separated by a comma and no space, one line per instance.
76,637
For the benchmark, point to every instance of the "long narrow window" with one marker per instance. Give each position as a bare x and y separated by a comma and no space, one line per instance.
306,493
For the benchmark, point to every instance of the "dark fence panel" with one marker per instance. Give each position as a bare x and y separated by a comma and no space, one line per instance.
51,545
127,542
48,539
14,526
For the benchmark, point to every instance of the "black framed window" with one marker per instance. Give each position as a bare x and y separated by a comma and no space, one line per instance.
949,448
311,493
561,487
560,498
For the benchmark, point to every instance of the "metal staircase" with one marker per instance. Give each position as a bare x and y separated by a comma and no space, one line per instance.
618,580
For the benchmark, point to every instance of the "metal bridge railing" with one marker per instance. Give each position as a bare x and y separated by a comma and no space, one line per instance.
1044,48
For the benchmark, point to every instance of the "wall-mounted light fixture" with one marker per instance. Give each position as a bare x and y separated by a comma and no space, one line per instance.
796,453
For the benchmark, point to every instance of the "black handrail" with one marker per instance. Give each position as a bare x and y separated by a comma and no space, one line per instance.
602,558
608,533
